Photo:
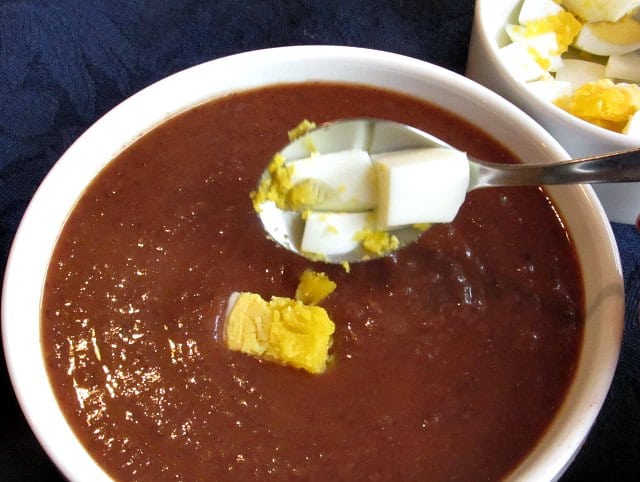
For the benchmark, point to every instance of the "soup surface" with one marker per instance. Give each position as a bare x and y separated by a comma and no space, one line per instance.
450,357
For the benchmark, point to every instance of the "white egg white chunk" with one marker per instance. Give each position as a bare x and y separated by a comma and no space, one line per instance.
516,33
520,61
545,45
420,186
352,135
536,9
624,67
550,90
601,38
601,10
348,175
329,234
579,72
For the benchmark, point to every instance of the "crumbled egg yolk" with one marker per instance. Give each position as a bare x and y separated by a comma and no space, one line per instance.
377,242
301,129
603,103
314,287
284,330
275,186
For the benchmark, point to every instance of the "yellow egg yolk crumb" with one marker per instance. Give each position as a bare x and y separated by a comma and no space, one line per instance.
377,242
543,62
314,287
293,332
306,194
275,186
603,103
301,129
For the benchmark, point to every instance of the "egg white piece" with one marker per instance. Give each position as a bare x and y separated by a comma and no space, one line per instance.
516,33
624,67
536,9
599,10
579,72
329,234
545,45
348,175
420,186
589,40
518,59
633,126
550,90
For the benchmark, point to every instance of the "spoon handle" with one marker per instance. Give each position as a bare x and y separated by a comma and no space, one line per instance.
621,166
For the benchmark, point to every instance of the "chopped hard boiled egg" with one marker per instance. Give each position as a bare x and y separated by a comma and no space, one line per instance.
314,287
522,61
338,180
283,330
533,10
377,242
579,72
562,25
326,234
601,10
596,40
603,103
341,181
275,186
370,197
545,32
625,67
609,38
420,185
549,90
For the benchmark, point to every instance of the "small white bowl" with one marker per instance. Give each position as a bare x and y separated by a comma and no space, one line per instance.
45,216
580,138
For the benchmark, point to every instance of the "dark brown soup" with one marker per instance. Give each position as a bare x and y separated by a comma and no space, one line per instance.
451,357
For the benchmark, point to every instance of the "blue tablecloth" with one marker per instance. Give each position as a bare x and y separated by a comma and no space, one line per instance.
64,63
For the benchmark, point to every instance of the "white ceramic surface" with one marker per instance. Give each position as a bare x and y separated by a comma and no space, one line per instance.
578,137
56,196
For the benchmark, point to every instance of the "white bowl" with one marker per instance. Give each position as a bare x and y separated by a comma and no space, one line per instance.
56,196
580,138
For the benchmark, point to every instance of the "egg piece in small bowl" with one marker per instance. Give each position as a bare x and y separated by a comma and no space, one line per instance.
574,66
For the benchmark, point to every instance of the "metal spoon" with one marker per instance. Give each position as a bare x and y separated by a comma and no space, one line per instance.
377,136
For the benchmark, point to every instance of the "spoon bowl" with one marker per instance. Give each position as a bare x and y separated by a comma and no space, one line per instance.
377,136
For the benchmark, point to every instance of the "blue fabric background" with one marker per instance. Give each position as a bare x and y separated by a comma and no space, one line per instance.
64,63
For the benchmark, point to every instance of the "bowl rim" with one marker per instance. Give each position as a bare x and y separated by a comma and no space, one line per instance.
27,373
482,11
